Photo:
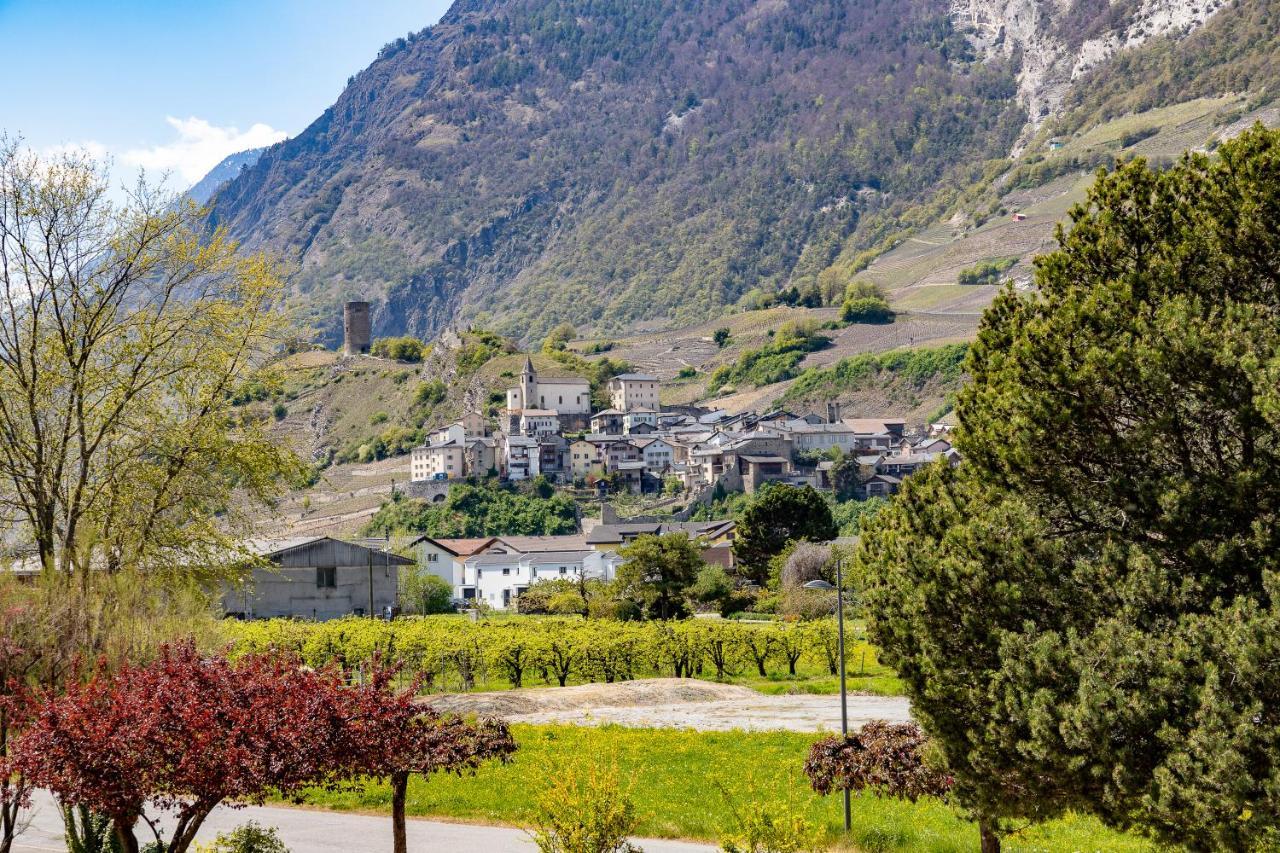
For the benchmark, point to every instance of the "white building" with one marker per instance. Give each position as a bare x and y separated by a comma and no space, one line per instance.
640,418
521,457
564,396
498,579
437,462
445,558
629,391
658,454
539,422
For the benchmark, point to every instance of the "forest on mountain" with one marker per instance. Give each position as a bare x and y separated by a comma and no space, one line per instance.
528,162
603,162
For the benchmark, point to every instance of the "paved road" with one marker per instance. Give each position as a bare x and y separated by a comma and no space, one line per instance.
310,831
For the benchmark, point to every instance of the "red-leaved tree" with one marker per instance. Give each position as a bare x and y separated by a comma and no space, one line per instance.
885,759
185,733
391,735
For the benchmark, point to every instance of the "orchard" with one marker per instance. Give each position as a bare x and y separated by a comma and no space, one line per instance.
447,653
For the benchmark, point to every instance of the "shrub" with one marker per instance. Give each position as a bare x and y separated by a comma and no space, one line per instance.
721,337
424,593
885,759
768,825
807,561
1133,137
687,372
251,837
429,393
407,349
986,272
279,411
584,810
867,309
776,361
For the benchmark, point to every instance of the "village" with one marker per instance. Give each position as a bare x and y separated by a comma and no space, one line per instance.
681,455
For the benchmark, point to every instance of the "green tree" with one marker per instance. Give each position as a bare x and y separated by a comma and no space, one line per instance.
557,339
712,586
721,337
128,331
779,514
424,593
1103,566
657,571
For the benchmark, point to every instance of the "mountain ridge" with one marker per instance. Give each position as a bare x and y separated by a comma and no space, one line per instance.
617,165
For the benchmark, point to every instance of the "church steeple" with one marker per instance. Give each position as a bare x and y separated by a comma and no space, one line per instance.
528,385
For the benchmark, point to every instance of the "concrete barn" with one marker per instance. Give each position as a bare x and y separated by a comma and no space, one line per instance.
317,578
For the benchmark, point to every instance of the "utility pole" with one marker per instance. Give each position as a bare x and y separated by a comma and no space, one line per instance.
844,693
372,614
844,700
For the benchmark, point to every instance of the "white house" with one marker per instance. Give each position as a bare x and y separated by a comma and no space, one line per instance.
498,579
819,437
445,558
539,422
562,395
521,457
629,391
658,454
636,418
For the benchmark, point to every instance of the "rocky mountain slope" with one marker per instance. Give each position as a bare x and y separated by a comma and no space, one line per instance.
227,169
632,165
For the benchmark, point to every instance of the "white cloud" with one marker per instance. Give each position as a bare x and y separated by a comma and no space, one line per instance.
199,147
90,148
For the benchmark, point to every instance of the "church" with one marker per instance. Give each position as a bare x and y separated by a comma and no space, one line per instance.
564,395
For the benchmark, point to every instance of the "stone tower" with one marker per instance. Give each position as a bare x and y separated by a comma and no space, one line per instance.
528,386
357,331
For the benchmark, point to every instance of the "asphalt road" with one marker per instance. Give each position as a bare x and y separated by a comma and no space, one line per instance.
311,831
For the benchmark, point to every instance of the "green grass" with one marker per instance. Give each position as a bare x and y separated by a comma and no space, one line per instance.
676,779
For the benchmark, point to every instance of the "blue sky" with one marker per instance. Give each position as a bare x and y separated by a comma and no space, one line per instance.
175,86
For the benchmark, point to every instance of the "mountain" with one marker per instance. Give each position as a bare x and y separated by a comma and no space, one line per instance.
220,174
621,164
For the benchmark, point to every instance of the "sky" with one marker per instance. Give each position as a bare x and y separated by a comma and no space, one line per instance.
173,86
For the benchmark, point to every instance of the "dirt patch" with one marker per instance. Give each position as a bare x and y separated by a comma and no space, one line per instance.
673,703
644,692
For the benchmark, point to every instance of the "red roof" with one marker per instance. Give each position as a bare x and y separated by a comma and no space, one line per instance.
459,547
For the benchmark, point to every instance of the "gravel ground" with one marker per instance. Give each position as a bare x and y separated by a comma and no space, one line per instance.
674,703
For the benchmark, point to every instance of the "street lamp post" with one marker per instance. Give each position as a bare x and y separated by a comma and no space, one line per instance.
844,701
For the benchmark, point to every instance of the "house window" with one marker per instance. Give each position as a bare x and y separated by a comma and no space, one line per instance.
506,571
326,577
563,570
433,558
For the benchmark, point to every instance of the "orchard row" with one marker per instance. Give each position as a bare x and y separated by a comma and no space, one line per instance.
448,653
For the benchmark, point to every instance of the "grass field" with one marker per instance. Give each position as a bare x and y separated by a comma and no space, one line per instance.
685,785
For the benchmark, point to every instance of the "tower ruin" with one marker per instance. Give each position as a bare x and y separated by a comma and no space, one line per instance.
357,331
